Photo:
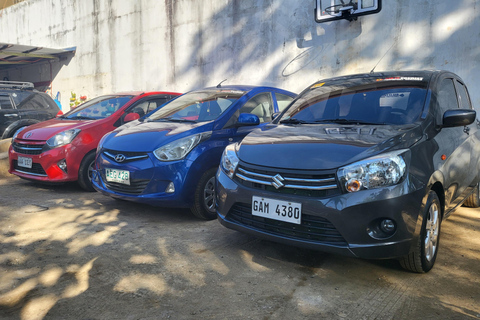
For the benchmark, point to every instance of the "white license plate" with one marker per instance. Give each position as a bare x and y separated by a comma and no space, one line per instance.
277,209
24,162
119,176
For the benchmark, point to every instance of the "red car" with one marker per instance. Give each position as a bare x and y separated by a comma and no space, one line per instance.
63,149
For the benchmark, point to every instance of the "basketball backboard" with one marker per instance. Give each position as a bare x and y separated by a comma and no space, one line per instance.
329,10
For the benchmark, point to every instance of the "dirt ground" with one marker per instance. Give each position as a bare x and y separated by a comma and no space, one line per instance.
68,254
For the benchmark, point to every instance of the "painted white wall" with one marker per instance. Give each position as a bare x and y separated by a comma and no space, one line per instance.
180,45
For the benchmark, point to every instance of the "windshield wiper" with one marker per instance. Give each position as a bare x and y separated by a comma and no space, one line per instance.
80,118
346,121
293,121
175,120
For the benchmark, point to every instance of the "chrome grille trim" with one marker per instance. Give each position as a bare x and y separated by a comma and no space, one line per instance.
127,158
30,149
247,176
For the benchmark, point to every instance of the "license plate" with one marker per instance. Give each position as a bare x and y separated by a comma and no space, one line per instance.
24,162
277,209
119,176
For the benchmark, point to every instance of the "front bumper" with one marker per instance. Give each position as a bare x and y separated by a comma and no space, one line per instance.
338,224
45,166
149,179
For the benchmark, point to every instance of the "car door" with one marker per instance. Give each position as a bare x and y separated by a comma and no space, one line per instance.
145,106
452,144
473,136
262,105
8,113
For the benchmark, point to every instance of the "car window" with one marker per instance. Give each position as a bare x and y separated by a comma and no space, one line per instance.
283,101
34,101
463,95
5,103
198,106
379,102
260,105
98,108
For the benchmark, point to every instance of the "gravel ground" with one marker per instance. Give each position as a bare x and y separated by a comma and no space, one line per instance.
68,254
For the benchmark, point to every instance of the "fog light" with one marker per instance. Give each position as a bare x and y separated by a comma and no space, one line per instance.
62,164
170,188
387,226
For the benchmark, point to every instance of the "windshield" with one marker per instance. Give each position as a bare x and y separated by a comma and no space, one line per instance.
373,101
98,108
197,106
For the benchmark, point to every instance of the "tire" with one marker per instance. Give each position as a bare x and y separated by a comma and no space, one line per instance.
85,172
473,201
424,253
204,197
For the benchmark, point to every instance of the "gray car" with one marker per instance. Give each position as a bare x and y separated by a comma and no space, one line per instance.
365,165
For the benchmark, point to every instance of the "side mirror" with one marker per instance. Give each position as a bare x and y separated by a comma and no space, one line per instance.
130,117
247,119
458,117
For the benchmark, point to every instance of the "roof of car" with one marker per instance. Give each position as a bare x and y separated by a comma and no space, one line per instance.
245,88
387,75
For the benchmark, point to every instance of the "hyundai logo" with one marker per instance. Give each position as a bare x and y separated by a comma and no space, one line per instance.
119,158
277,181
28,135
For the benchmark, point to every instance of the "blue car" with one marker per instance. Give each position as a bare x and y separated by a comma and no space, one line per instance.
169,157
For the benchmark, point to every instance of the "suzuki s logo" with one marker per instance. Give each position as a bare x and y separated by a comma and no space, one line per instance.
277,181
119,158
28,135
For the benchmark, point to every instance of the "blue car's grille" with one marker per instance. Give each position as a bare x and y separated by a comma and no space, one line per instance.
36,169
124,156
297,182
31,149
312,228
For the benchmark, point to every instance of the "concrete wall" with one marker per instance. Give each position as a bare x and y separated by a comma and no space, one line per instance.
181,45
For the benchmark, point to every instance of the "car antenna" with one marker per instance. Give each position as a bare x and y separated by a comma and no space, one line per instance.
373,69
220,84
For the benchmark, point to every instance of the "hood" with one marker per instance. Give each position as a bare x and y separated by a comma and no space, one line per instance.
322,147
44,130
147,136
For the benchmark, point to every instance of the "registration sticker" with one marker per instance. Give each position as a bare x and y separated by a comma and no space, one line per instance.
277,209
24,162
119,176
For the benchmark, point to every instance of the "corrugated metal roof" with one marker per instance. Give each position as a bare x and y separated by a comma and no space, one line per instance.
12,55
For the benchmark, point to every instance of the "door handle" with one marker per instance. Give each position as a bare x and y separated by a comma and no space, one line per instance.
11,115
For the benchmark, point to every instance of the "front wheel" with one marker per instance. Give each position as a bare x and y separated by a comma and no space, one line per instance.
423,256
85,172
204,198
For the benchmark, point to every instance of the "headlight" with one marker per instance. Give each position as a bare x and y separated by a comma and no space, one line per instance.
229,160
178,149
380,171
62,138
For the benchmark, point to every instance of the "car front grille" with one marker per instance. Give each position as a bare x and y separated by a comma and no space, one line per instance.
312,228
125,156
36,169
30,149
298,182
136,187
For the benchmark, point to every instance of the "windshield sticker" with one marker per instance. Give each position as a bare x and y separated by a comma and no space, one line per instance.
317,85
401,79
